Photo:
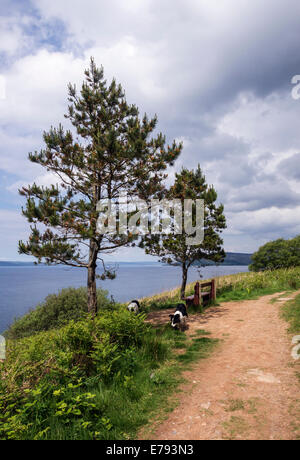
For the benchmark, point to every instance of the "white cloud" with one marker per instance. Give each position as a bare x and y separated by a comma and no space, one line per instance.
268,124
36,89
217,74
11,36
267,221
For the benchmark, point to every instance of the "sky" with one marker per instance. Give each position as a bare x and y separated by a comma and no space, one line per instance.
218,74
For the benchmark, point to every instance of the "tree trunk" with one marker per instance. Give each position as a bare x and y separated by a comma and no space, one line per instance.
184,281
91,281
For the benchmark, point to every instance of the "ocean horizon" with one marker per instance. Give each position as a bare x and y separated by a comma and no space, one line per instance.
22,288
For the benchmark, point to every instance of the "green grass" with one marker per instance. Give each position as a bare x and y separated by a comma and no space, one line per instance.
235,405
235,426
291,313
200,332
242,286
125,409
199,348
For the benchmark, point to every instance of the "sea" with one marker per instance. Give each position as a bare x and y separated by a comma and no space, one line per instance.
22,288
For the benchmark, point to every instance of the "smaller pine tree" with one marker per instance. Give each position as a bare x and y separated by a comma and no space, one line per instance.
172,248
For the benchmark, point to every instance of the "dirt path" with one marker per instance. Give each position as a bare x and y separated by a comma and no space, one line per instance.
248,389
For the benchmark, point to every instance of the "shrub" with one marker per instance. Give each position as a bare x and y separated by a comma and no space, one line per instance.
46,381
277,254
56,311
87,347
42,406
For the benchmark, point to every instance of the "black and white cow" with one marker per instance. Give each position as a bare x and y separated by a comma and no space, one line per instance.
134,306
178,320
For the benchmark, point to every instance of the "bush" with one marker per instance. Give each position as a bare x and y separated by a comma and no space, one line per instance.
56,311
87,347
50,380
277,254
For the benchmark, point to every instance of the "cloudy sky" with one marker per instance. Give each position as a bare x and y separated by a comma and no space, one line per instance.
216,72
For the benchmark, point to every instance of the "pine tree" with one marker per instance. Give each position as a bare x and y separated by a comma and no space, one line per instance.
108,151
173,248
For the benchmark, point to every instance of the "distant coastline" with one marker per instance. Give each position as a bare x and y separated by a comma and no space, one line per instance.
232,258
4,263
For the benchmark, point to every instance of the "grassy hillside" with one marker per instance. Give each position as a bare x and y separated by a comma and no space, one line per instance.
56,311
100,379
291,313
248,285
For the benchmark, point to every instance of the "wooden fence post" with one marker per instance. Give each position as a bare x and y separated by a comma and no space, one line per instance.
213,290
197,296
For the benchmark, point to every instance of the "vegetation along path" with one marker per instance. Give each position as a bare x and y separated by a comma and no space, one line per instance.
248,389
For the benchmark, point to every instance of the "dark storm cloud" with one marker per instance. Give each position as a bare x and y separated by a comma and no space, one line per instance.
254,47
264,196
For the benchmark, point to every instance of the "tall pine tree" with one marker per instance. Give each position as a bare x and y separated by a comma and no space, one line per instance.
109,151
173,248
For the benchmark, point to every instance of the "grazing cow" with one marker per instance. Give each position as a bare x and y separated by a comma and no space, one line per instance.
178,320
134,306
